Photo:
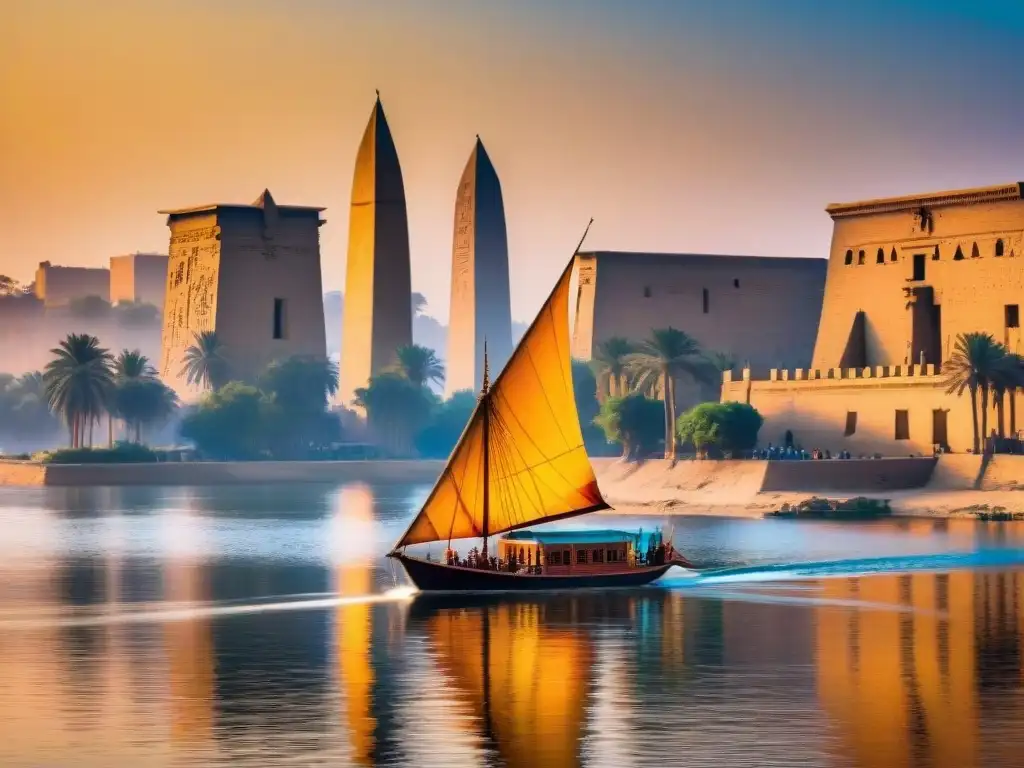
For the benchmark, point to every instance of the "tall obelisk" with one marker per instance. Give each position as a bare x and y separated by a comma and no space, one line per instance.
378,309
480,307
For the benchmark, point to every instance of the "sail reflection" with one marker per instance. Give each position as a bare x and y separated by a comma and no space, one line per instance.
526,679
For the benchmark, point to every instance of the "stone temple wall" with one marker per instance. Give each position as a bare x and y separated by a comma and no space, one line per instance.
856,410
190,298
251,273
968,250
760,311
763,311
906,276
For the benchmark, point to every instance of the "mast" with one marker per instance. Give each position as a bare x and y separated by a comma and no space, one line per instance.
487,450
529,491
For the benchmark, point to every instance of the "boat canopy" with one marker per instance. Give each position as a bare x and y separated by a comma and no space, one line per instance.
526,432
582,536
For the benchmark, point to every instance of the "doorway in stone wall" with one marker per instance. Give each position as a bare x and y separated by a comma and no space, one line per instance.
940,435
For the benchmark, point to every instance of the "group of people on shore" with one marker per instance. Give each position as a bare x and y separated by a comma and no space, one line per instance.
790,453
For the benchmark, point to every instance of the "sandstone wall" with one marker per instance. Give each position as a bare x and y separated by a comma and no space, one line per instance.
191,295
739,482
871,264
254,272
762,312
816,410
138,277
852,476
58,286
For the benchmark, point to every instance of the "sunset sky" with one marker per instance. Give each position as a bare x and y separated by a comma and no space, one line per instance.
679,125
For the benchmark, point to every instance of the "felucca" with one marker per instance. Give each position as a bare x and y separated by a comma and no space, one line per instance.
521,461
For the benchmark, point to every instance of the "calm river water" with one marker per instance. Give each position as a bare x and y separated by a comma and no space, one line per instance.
262,627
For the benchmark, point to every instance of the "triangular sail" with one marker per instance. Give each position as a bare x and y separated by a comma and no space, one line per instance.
538,466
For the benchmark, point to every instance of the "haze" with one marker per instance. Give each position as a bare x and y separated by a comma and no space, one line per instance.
679,126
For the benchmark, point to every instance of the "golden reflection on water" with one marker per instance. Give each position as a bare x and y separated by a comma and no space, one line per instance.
355,631
903,671
188,646
916,688
525,682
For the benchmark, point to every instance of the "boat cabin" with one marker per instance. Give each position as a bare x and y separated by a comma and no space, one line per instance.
570,552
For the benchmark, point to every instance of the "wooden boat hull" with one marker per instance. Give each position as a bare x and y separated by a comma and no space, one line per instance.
429,576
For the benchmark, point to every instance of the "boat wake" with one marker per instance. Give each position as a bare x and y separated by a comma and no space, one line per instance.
776,572
158,613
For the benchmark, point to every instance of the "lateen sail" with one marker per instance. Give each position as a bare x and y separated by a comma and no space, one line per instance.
539,469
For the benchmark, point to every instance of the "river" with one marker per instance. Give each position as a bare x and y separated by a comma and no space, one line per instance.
261,626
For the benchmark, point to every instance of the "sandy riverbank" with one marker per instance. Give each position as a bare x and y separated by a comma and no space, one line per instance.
952,486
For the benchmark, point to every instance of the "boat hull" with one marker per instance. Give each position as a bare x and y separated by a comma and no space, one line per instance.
429,576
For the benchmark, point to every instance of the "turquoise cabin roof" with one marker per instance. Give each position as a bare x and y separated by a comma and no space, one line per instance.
582,536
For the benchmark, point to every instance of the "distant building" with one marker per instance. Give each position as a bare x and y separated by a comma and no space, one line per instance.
755,310
59,286
906,276
251,273
378,312
480,303
138,277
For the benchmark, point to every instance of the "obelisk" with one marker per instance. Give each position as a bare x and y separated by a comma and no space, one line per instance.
378,310
480,304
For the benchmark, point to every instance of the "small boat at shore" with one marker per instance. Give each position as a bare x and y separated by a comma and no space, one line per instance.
520,462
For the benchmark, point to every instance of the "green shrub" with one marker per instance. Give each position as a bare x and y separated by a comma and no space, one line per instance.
121,453
729,427
231,423
635,421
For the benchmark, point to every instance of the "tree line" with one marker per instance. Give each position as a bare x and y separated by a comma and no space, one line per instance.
985,369
285,413
637,384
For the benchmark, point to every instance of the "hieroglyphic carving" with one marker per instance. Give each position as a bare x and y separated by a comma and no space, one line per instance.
194,235
462,248
191,301
586,272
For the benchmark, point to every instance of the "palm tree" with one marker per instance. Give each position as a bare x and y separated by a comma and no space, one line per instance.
132,364
139,397
142,401
419,365
1009,377
396,409
720,362
301,383
205,364
78,383
658,363
976,362
610,364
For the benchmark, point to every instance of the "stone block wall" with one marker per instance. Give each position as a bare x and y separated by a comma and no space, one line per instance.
965,246
820,408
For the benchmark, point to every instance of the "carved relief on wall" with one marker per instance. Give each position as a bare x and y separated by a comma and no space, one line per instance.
191,301
586,273
462,249
924,220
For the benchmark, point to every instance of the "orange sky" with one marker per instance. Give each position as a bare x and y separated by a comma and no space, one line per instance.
674,127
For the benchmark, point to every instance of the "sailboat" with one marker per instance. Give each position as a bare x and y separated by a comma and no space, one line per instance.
519,462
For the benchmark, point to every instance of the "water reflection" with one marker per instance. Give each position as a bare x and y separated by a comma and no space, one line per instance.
905,670
523,670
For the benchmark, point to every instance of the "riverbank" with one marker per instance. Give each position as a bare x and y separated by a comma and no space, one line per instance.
953,485
950,486
26,473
